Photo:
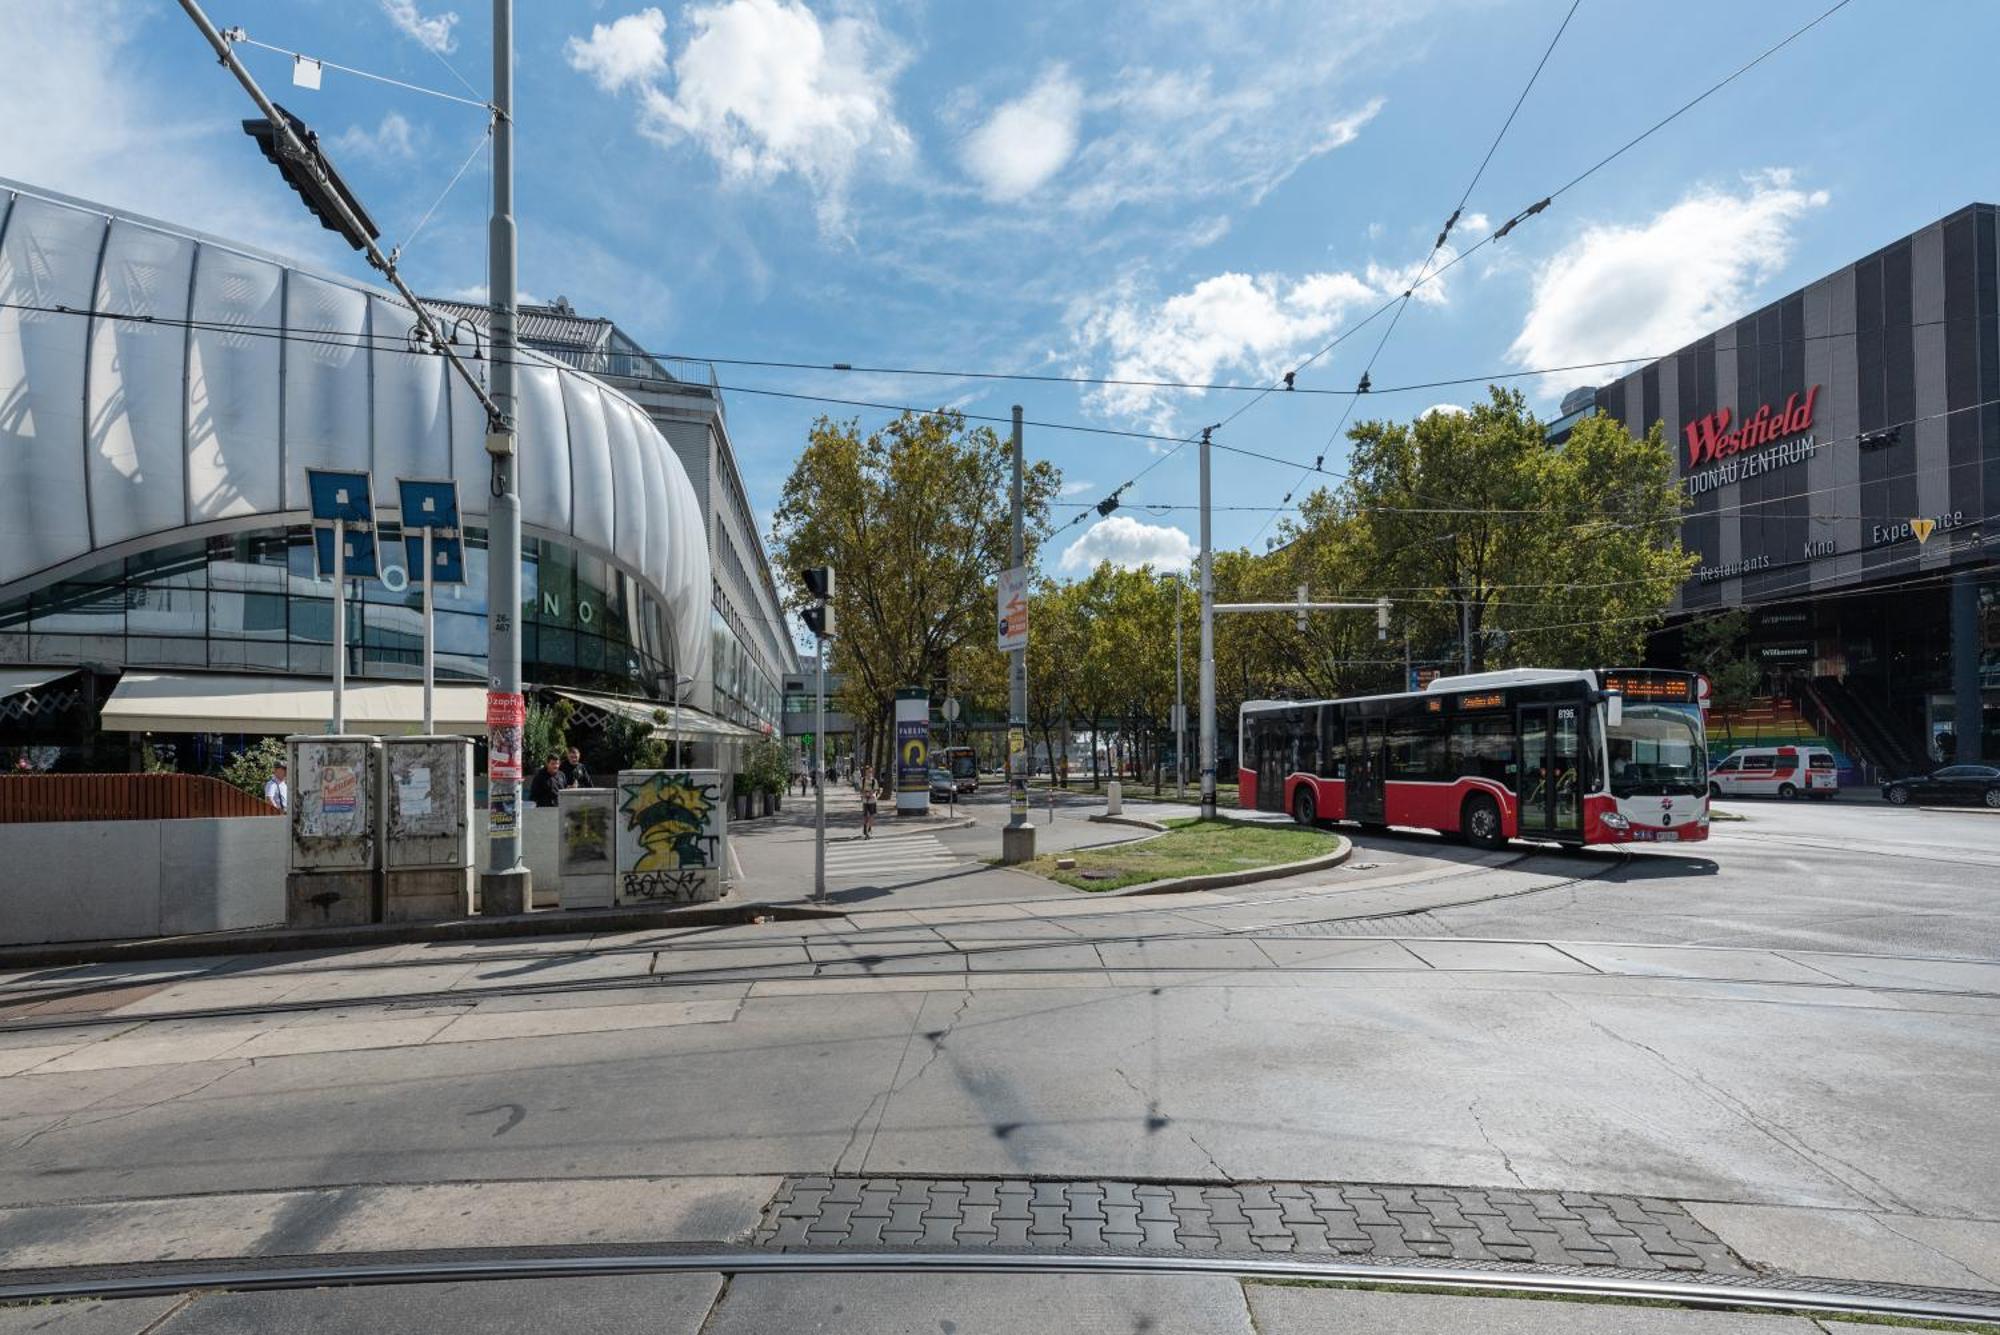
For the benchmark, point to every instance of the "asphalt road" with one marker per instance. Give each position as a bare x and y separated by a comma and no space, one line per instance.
1790,1028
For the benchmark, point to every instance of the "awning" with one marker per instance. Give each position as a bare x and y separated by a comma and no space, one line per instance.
690,725
14,680
237,702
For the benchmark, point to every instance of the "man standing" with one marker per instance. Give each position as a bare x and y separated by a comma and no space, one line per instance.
575,773
276,791
548,782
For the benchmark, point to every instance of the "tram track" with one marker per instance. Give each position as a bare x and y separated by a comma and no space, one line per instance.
1768,1293
725,973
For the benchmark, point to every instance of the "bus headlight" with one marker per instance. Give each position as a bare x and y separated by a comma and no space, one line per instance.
1614,821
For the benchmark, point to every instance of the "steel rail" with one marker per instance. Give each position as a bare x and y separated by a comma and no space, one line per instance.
1759,1292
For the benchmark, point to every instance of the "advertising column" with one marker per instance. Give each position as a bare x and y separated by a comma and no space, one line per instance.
913,751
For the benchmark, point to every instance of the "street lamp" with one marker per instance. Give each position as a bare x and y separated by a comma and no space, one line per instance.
669,684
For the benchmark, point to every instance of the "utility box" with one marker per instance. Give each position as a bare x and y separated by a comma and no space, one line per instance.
426,828
333,878
586,864
671,836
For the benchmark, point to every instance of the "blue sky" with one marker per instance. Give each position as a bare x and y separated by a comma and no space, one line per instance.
1156,190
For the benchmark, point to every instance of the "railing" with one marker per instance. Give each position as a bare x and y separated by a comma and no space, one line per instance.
28,798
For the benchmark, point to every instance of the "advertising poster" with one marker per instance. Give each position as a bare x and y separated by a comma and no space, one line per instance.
913,752
506,716
502,816
1013,610
339,790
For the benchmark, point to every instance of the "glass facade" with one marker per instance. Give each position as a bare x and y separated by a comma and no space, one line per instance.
251,602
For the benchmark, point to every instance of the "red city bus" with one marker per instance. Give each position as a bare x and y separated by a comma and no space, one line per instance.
1590,756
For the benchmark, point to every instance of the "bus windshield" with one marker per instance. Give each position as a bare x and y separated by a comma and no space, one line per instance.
1657,749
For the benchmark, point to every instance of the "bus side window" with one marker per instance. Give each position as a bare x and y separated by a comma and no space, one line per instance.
1484,748
1332,744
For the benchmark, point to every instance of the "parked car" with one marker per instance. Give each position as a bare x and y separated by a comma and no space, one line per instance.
944,788
1975,784
1775,771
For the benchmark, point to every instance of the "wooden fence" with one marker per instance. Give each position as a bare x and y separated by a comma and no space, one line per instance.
67,797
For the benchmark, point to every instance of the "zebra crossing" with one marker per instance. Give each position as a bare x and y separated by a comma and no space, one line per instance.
890,859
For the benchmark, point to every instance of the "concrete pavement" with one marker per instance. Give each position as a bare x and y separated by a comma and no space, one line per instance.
1819,1111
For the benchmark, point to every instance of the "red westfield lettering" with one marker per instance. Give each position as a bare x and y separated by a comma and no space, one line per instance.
1709,437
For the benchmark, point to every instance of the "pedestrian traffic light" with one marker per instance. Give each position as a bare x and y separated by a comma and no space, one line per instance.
819,582
819,620
318,184
1381,618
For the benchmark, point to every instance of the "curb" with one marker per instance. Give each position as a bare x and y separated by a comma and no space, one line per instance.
1222,879
1138,821
903,831
544,922
1963,811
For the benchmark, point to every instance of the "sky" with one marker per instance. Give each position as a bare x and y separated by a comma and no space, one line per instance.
1171,190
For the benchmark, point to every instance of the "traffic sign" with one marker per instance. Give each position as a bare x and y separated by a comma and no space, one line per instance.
433,505
950,709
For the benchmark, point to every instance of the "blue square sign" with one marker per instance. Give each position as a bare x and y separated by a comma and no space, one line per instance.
359,560
340,495
432,504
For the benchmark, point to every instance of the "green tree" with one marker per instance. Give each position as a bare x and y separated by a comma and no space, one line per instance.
1488,536
915,522
248,768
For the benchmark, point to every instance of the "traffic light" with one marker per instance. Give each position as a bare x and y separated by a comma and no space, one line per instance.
818,614
318,184
1381,618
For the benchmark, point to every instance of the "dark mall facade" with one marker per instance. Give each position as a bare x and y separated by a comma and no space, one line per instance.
1841,452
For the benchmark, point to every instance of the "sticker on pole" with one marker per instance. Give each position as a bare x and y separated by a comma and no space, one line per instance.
1013,609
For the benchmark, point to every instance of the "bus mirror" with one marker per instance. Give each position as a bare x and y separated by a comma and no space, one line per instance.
1614,709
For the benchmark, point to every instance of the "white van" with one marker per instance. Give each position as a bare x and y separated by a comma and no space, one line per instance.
1776,771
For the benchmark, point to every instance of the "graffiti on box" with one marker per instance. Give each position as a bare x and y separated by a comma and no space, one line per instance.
669,837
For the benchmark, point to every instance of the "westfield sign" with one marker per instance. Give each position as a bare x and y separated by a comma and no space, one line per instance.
1710,440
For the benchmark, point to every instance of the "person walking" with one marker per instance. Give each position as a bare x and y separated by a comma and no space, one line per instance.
575,773
868,804
547,783
277,791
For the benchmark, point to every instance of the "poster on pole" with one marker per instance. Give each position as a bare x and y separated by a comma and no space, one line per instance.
1013,609
506,716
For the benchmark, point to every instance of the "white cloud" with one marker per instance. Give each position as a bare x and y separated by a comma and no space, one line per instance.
1233,323
1474,224
1127,543
392,140
432,32
629,50
764,87
75,119
1028,140
1344,130
1077,488
1455,409
1650,288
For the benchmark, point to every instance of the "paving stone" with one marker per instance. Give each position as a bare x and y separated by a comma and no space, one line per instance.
1380,1220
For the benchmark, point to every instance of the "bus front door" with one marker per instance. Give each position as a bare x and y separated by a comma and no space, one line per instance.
1364,771
1549,807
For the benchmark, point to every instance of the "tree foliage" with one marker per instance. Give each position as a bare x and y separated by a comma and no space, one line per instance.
248,768
915,521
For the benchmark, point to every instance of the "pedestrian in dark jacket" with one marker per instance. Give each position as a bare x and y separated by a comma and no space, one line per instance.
575,773
547,783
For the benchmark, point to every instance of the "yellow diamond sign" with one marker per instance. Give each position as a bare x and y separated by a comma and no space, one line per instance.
1922,528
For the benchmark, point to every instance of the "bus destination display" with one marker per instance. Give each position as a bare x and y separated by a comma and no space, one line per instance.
1634,687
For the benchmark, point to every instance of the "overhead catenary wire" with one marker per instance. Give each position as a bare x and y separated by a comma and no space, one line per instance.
1443,238
238,37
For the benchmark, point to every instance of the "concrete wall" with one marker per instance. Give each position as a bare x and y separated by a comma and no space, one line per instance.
94,880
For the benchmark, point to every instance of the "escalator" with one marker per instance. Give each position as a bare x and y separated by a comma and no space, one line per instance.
1879,740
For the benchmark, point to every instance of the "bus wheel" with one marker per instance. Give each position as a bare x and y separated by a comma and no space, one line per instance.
1480,820
1787,791
1302,806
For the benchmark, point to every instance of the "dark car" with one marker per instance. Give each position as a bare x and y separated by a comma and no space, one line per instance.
944,788
1978,785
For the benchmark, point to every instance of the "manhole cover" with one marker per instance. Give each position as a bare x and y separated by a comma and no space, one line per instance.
1097,875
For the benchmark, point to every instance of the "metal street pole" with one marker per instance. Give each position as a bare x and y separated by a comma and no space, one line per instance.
1207,643
506,886
1017,840
339,626
1180,699
819,771
430,644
